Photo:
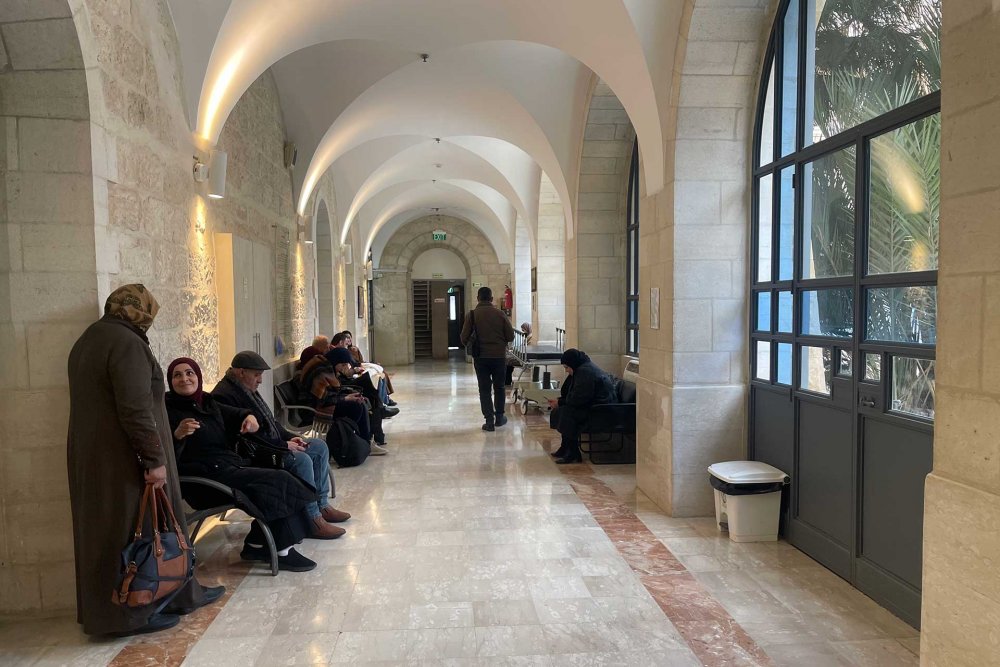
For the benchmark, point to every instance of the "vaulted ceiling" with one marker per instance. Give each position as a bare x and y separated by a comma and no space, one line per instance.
501,97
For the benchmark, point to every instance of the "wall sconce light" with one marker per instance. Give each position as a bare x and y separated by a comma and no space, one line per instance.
214,172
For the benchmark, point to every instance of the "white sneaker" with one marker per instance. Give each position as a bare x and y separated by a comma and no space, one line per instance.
378,450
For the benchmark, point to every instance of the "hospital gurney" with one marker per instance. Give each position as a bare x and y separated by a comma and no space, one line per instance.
530,390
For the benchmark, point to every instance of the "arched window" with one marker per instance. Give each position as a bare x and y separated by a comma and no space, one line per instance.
845,184
632,257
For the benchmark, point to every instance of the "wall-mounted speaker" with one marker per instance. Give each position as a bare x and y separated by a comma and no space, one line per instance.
291,154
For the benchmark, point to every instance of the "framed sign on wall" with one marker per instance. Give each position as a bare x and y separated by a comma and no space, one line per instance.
361,302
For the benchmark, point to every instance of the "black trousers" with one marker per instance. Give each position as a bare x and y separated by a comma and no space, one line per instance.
568,421
491,374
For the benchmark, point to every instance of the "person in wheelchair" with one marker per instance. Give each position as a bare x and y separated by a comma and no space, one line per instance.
205,433
585,386
317,386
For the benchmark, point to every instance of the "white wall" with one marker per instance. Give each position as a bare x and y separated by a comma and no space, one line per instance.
438,263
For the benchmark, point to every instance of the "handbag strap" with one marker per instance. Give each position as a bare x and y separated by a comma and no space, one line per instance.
169,512
142,512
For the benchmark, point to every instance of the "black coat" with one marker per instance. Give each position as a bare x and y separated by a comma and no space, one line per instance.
229,392
209,452
589,385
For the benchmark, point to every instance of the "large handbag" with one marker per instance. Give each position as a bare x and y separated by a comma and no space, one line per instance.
157,566
472,343
262,453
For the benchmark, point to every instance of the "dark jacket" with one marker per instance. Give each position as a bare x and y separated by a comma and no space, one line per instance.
493,328
588,385
209,452
230,392
118,428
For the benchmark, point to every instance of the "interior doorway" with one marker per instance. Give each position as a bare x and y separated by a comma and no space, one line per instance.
438,314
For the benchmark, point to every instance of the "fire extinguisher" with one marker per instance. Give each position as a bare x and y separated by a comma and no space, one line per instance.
508,299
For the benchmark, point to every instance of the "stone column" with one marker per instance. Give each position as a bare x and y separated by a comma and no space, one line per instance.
551,268
961,582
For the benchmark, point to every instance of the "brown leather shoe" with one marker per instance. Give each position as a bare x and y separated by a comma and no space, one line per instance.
333,515
324,531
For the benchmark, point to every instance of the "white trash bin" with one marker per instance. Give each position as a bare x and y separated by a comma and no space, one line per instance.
747,499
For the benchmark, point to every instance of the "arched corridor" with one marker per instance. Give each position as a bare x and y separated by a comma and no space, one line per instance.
476,548
772,223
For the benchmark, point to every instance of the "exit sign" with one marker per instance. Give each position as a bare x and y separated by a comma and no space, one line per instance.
439,235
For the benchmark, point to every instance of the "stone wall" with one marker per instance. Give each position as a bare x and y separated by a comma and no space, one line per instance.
599,241
48,292
694,244
961,586
112,200
393,314
551,267
523,297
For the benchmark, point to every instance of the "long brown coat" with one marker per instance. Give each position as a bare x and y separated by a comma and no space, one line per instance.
118,427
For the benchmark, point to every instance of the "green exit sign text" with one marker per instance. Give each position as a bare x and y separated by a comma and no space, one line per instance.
439,236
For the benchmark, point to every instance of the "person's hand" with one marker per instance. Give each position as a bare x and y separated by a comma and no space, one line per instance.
297,444
156,476
356,398
249,425
553,402
186,428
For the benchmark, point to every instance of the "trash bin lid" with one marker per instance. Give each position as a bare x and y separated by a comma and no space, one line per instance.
746,472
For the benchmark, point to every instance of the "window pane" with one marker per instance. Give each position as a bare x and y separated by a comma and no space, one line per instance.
873,366
764,229
905,194
786,223
763,362
903,314
913,386
828,223
790,79
846,366
814,373
767,123
828,312
784,363
870,58
763,311
633,311
784,312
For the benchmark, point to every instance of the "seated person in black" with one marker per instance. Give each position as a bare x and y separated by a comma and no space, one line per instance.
342,361
374,387
317,386
204,437
585,385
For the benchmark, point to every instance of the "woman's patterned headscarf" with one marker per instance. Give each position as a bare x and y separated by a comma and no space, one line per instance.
134,304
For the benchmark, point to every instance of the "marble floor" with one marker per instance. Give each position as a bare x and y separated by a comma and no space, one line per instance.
474,548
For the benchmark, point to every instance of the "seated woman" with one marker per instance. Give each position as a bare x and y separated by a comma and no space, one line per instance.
318,387
382,378
586,385
204,435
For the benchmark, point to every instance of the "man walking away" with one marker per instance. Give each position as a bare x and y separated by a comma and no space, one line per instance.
494,331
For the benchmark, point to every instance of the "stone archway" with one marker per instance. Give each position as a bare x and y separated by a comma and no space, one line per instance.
327,313
392,299
49,288
595,255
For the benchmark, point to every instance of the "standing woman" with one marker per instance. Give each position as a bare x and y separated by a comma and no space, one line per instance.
119,439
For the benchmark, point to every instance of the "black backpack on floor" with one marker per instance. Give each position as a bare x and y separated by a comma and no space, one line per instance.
347,448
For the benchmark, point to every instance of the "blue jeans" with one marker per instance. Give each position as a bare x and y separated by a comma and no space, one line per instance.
313,466
383,392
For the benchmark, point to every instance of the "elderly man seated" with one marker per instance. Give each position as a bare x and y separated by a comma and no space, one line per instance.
309,459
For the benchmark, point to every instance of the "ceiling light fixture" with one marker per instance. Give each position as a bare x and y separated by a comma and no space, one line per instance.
424,57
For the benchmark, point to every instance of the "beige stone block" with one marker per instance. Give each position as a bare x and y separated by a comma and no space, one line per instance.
748,59
726,24
29,472
45,94
701,367
58,586
598,201
57,247
973,63
595,245
599,132
710,57
600,183
735,202
709,242
617,149
41,531
589,222
692,328
708,408
19,586
34,45
599,165
607,116
700,123
960,355
605,102
969,164
703,159
729,324
594,291
990,333
970,242
960,606
692,496
967,438
33,10
52,198
54,297
47,369
700,279
704,91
